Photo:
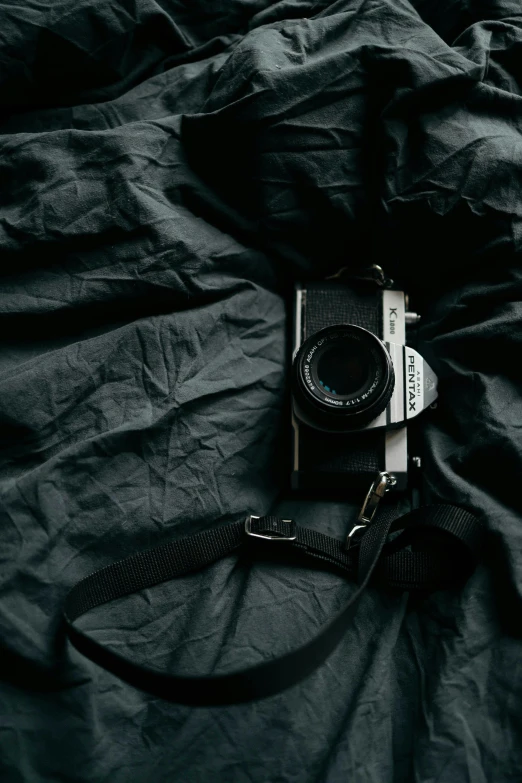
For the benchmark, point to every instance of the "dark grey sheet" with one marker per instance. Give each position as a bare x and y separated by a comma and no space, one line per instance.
167,171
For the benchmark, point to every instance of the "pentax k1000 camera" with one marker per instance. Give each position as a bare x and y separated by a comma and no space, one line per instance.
356,385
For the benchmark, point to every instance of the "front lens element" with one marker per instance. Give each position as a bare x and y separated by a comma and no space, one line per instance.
344,368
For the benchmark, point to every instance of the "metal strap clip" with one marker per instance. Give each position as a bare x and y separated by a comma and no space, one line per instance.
382,483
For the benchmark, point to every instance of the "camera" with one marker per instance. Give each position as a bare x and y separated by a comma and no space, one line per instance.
356,385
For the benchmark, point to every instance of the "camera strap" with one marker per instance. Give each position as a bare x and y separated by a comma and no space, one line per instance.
437,549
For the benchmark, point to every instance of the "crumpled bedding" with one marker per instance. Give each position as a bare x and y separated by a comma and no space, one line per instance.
168,171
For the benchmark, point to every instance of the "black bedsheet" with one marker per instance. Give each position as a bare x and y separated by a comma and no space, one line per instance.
168,170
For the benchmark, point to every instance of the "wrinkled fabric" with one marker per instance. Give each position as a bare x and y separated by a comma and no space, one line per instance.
168,171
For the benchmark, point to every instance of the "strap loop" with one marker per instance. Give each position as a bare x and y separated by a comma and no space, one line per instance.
372,559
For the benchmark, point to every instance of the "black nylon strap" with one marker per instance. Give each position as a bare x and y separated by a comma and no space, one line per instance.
443,558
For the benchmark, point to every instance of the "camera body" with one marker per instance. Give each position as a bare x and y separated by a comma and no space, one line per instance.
356,385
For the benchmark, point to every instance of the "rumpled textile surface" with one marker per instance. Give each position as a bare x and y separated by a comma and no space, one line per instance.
168,170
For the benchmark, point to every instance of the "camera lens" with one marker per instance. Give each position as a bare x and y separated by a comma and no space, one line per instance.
342,378
344,369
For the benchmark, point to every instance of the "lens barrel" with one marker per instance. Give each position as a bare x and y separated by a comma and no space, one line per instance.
343,378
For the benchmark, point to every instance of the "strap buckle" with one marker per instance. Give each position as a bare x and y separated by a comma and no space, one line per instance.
278,526
382,483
